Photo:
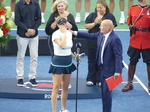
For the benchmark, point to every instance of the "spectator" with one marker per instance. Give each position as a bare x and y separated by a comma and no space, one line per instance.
27,35
78,5
122,5
12,4
92,24
43,7
111,5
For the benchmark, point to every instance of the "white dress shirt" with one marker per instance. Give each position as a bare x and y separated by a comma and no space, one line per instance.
106,37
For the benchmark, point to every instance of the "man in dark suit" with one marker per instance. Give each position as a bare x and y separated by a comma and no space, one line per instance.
109,57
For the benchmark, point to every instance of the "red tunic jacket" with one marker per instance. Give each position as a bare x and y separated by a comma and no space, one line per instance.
139,40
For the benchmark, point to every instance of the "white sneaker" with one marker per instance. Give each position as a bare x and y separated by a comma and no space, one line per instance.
64,110
122,20
77,19
43,20
89,83
98,84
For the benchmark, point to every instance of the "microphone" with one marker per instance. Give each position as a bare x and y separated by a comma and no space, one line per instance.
81,55
78,45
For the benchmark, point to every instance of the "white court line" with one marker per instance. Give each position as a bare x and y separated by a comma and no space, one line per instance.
139,81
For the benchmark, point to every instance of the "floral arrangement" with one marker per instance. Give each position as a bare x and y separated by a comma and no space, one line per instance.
6,23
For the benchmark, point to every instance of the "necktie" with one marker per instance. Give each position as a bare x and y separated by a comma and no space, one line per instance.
102,42
99,51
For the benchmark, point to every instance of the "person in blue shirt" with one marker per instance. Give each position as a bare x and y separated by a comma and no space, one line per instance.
109,58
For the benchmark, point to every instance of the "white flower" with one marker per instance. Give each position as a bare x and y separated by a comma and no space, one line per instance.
9,23
8,12
8,8
1,33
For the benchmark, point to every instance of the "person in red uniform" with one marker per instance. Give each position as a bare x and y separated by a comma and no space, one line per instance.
139,23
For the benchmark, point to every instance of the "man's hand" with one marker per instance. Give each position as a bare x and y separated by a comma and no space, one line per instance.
30,32
116,75
27,34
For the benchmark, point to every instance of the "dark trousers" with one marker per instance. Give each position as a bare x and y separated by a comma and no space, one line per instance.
106,95
135,55
92,63
50,45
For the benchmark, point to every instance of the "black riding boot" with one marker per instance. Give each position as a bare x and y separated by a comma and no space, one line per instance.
148,73
129,85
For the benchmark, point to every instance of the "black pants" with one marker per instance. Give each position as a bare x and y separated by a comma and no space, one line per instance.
50,44
135,55
92,63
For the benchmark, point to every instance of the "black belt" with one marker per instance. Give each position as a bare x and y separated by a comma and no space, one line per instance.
142,30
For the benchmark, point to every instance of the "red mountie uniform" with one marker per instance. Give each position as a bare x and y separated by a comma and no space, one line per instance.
139,40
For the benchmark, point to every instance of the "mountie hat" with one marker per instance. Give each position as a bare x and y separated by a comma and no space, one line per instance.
61,21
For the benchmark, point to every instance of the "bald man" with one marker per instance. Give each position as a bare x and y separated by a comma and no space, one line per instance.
109,57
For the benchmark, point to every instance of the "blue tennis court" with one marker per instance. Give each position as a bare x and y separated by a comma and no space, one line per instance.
137,100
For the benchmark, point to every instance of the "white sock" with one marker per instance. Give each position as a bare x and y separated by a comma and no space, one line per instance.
122,13
42,14
78,14
13,14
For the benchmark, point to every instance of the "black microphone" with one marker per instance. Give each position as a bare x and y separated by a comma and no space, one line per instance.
78,45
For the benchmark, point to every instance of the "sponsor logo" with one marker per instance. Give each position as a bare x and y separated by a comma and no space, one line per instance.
48,96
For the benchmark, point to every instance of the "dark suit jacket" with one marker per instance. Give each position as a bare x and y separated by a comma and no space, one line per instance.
112,56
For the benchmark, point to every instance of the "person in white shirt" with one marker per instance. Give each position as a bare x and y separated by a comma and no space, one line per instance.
61,65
